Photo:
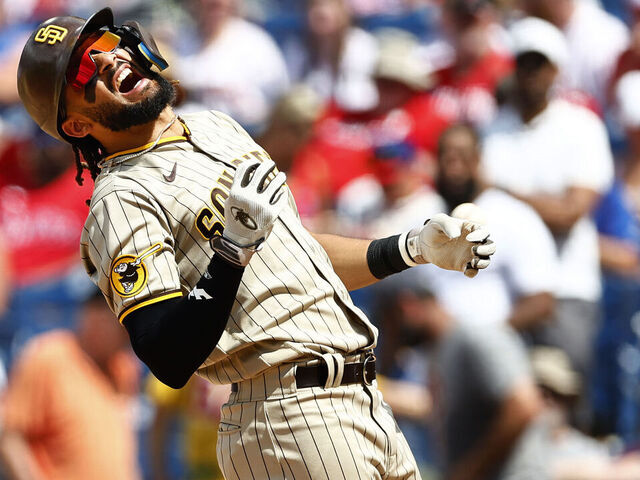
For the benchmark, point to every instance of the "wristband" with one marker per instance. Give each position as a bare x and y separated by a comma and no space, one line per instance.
233,253
385,256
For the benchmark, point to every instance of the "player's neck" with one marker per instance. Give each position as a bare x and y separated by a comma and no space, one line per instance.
162,127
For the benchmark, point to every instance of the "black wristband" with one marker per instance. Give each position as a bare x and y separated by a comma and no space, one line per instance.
384,258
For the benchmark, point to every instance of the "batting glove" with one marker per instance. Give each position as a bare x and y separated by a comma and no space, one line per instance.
449,243
250,211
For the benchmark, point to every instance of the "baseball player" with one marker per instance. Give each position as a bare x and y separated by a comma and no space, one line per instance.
195,241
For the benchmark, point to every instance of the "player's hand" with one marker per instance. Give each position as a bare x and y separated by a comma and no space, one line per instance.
254,203
451,244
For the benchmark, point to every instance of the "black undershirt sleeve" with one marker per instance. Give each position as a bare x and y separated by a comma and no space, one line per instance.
173,337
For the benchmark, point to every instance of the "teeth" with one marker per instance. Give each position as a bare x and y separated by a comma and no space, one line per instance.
124,74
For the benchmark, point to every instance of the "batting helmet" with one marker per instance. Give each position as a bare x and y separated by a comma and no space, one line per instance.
45,60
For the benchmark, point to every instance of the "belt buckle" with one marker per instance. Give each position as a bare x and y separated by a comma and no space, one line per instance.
369,358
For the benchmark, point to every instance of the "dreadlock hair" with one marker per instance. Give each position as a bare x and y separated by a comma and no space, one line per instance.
88,153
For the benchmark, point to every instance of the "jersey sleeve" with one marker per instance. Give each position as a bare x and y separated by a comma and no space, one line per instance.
128,251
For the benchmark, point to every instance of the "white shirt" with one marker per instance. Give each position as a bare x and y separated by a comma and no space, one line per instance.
595,40
564,146
241,73
352,86
525,263
362,210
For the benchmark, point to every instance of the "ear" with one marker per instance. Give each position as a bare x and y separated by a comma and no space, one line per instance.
76,126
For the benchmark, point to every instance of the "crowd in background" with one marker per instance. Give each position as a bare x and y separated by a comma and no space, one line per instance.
382,113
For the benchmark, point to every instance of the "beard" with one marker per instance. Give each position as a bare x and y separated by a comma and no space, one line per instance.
119,117
454,195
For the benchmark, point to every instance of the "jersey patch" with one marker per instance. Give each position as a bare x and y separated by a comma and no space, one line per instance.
129,273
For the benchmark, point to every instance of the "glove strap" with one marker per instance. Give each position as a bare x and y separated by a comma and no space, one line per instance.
232,252
410,247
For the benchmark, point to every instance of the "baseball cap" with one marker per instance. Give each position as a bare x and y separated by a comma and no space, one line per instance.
399,59
627,92
533,34
552,369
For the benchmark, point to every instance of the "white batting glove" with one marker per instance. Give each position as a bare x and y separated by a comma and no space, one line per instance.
250,211
449,243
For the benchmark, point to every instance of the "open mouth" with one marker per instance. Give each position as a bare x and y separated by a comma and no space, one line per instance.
127,80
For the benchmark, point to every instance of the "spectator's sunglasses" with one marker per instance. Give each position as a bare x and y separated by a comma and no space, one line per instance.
100,42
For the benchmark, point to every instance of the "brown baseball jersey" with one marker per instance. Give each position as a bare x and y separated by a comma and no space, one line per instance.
146,239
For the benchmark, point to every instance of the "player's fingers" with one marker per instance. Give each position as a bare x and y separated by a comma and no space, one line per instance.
485,249
480,263
478,235
244,172
261,175
470,272
274,190
451,227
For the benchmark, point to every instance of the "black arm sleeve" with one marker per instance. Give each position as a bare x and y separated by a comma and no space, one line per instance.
173,337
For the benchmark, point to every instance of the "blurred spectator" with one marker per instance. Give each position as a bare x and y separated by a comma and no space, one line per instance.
478,62
196,410
335,58
595,40
384,7
405,123
486,403
617,380
12,38
64,411
522,280
554,156
238,69
287,131
571,455
42,212
5,279
630,58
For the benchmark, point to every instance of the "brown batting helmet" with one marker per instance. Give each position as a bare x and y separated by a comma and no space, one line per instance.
43,66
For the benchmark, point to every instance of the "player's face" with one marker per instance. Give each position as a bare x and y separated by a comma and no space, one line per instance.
121,95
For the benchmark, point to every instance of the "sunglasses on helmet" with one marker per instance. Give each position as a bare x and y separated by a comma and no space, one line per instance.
86,70
131,36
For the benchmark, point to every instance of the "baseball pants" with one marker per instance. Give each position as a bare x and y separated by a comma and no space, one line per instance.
269,429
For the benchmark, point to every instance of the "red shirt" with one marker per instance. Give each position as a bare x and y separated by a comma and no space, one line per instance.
343,145
41,226
471,92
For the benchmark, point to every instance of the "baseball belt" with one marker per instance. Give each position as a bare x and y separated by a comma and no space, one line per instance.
316,375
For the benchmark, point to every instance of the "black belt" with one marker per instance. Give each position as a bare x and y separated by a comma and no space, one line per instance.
316,375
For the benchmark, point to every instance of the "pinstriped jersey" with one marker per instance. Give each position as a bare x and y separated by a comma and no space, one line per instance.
146,239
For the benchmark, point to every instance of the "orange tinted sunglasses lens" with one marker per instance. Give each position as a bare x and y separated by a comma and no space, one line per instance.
107,42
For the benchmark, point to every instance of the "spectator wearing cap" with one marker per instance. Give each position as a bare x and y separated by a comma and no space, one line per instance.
486,405
595,39
569,453
477,63
404,124
617,409
554,156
